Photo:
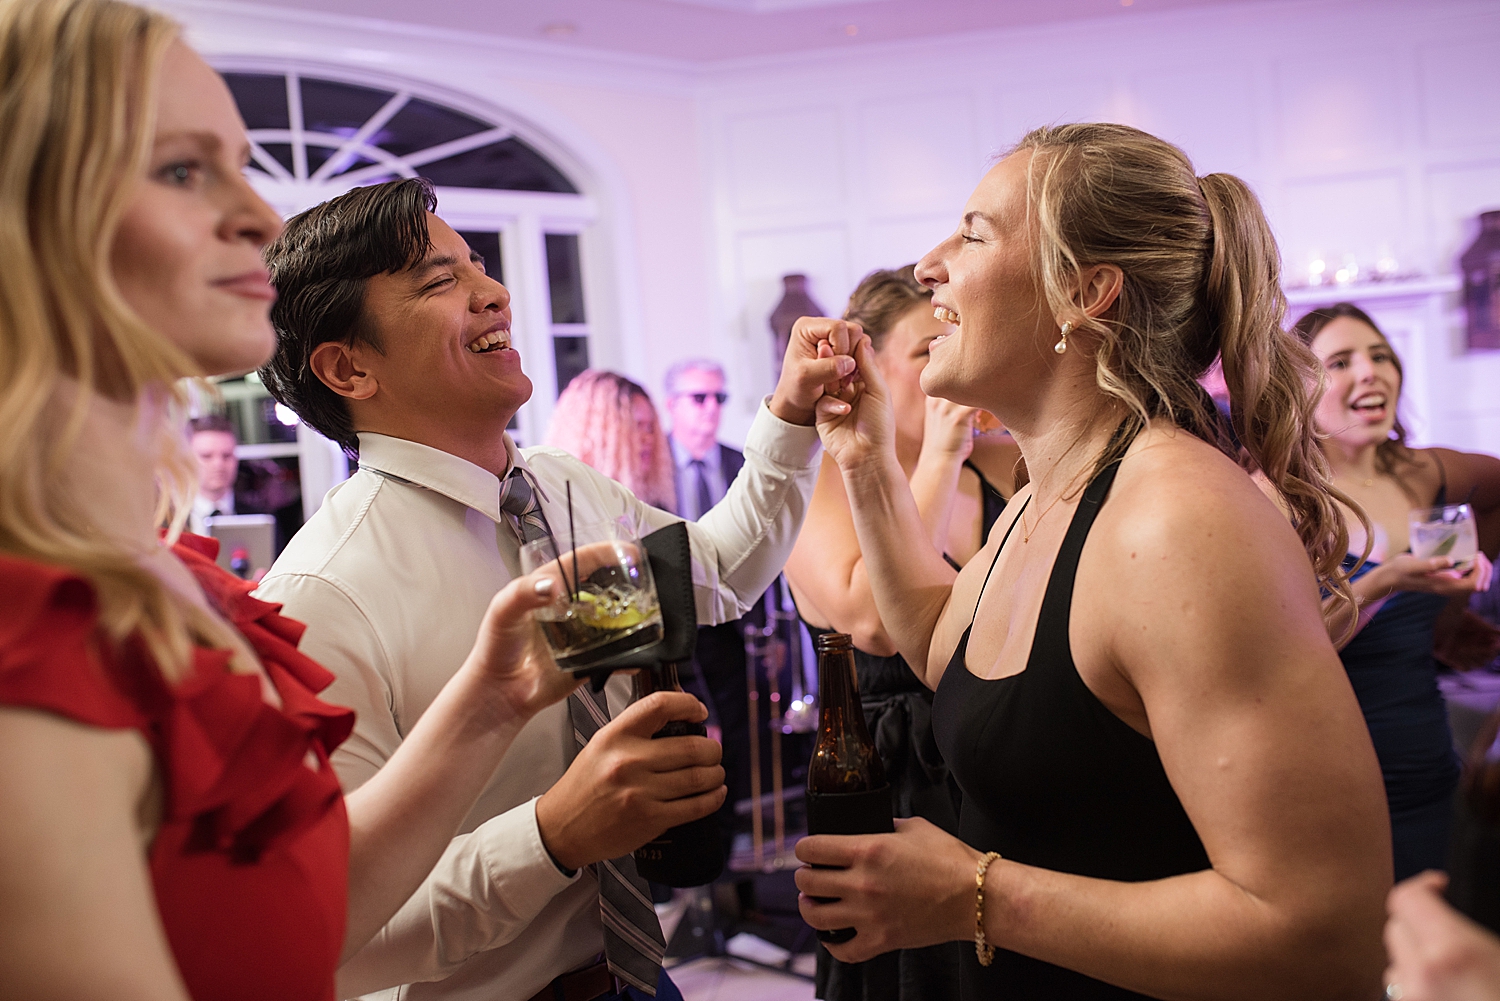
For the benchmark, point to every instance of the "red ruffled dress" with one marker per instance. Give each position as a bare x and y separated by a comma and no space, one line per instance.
250,865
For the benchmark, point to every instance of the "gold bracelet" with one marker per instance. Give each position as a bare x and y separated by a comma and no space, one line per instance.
982,949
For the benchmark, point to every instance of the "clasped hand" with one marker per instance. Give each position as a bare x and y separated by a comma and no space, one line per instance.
819,361
948,429
625,788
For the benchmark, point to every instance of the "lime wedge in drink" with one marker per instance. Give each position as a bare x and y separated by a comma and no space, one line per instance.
601,611
1446,546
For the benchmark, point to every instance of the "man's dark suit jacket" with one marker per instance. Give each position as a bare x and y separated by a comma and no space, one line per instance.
731,461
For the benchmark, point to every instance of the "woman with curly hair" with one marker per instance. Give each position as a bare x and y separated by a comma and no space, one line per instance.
610,423
1168,789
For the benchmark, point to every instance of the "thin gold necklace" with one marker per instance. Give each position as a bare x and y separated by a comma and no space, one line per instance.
1025,534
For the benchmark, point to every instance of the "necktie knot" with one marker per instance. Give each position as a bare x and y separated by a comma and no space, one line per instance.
518,499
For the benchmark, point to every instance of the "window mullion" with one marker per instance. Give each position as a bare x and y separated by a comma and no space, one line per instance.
531,320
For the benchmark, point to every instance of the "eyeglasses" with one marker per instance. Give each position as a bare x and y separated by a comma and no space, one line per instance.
699,399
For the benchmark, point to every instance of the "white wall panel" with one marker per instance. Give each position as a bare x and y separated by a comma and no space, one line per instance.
1459,87
919,155
896,244
1070,97
1456,195
786,160
1367,127
1329,217
1335,108
1210,112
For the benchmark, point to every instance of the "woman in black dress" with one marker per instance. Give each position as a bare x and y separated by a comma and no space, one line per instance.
953,473
1168,789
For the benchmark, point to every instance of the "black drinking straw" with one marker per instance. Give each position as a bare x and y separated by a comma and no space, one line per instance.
572,540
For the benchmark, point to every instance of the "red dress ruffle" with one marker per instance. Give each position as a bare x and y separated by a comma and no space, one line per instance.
250,864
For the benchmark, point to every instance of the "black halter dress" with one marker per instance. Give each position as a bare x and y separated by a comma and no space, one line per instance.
1051,778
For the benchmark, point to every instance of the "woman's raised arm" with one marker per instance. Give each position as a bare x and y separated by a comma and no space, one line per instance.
909,578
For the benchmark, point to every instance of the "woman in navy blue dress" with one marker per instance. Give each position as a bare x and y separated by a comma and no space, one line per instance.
1388,651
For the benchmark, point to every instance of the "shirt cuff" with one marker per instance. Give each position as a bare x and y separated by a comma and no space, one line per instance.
515,857
793,445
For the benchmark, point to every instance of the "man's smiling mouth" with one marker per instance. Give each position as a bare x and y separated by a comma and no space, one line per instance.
493,340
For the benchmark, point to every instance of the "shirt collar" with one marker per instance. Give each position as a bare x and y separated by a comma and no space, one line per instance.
438,471
684,458
204,507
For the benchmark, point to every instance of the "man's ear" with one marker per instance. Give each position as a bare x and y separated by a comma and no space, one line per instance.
341,368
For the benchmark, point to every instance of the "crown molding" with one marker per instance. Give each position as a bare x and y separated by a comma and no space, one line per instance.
226,27
236,26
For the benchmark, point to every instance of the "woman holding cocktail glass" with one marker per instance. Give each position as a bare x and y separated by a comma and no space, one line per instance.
1402,587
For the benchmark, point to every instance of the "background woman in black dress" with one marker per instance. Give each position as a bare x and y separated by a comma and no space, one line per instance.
1135,687
961,482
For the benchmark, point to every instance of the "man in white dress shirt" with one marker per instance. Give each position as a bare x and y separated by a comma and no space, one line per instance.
394,342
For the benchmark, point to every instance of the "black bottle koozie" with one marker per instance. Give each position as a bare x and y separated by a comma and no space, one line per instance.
690,854
848,813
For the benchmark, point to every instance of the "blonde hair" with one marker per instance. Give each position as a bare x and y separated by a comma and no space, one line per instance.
1201,280
595,421
78,85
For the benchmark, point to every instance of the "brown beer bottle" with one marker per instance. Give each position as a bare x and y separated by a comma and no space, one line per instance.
690,854
847,791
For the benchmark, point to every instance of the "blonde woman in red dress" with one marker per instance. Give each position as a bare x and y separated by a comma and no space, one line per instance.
173,828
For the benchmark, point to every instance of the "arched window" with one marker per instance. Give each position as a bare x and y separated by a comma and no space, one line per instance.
314,137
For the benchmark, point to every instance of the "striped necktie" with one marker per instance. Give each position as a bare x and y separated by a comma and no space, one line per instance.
705,498
633,941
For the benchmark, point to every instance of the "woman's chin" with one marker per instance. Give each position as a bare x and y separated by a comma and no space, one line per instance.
232,356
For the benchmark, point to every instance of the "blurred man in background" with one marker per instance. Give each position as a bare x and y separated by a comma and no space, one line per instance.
213,443
704,470
695,403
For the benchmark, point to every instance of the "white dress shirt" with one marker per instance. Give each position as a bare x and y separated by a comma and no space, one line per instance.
203,508
392,576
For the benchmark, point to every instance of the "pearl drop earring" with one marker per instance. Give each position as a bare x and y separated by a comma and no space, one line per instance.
1062,345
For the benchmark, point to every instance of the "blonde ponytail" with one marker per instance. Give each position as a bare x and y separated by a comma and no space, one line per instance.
1273,378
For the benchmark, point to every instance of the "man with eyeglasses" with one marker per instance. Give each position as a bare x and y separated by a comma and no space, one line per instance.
704,469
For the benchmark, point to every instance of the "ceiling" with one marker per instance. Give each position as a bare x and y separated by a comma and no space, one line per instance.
706,31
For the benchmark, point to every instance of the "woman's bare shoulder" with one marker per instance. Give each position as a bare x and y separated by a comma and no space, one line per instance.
1179,494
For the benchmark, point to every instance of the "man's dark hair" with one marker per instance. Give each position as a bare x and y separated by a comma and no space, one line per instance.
211,422
320,265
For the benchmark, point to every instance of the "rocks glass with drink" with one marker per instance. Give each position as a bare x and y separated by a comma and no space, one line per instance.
1448,531
606,607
